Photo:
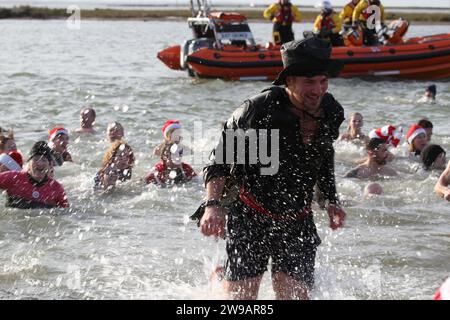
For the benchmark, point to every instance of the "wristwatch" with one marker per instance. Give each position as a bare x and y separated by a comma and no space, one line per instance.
212,202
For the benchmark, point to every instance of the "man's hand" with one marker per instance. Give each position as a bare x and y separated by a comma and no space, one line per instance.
337,216
213,222
446,194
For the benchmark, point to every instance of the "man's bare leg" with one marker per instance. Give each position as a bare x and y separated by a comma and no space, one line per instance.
287,288
243,290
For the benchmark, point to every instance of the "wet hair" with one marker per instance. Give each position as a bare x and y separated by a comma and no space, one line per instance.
374,144
165,152
111,153
429,155
116,125
425,123
42,149
89,110
432,89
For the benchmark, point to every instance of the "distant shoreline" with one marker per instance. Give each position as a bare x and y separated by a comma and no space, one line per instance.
44,13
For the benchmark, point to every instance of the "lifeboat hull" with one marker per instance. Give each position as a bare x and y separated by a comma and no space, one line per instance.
418,58
171,57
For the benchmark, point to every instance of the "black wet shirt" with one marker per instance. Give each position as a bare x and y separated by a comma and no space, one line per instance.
301,165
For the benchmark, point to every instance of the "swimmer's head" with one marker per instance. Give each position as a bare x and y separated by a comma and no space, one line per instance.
356,121
430,92
119,155
87,117
417,138
171,131
58,139
377,149
427,125
40,161
114,132
372,189
433,157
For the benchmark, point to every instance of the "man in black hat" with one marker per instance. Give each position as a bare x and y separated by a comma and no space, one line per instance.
271,217
34,188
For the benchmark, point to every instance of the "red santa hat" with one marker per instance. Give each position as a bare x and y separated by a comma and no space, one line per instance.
413,132
17,157
9,162
387,133
57,131
444,291
169,127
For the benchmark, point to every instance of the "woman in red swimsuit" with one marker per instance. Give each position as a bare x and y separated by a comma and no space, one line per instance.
34,188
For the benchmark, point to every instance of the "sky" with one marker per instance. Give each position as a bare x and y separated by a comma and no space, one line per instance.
400,3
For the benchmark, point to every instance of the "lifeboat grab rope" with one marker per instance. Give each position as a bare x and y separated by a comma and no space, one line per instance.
202,9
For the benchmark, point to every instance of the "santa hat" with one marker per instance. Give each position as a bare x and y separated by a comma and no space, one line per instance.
57,131
169,127
17,157
444,291
387,133
413,132
9,162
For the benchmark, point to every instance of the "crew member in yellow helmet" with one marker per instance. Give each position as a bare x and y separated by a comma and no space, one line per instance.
282,14
328,25
347,14
368,13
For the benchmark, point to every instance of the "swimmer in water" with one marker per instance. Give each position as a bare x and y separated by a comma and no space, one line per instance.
417,140
171,169
354,132
117,166
58,142
34,187
433,157
87,121
373,189
375,163
428,126
114,132
429,95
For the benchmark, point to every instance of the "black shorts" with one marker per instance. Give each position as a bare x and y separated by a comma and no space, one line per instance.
253,238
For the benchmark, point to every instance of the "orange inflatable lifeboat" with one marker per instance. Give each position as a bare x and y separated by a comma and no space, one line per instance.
223,47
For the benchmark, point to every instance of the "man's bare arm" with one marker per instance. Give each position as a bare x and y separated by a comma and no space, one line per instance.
441,187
